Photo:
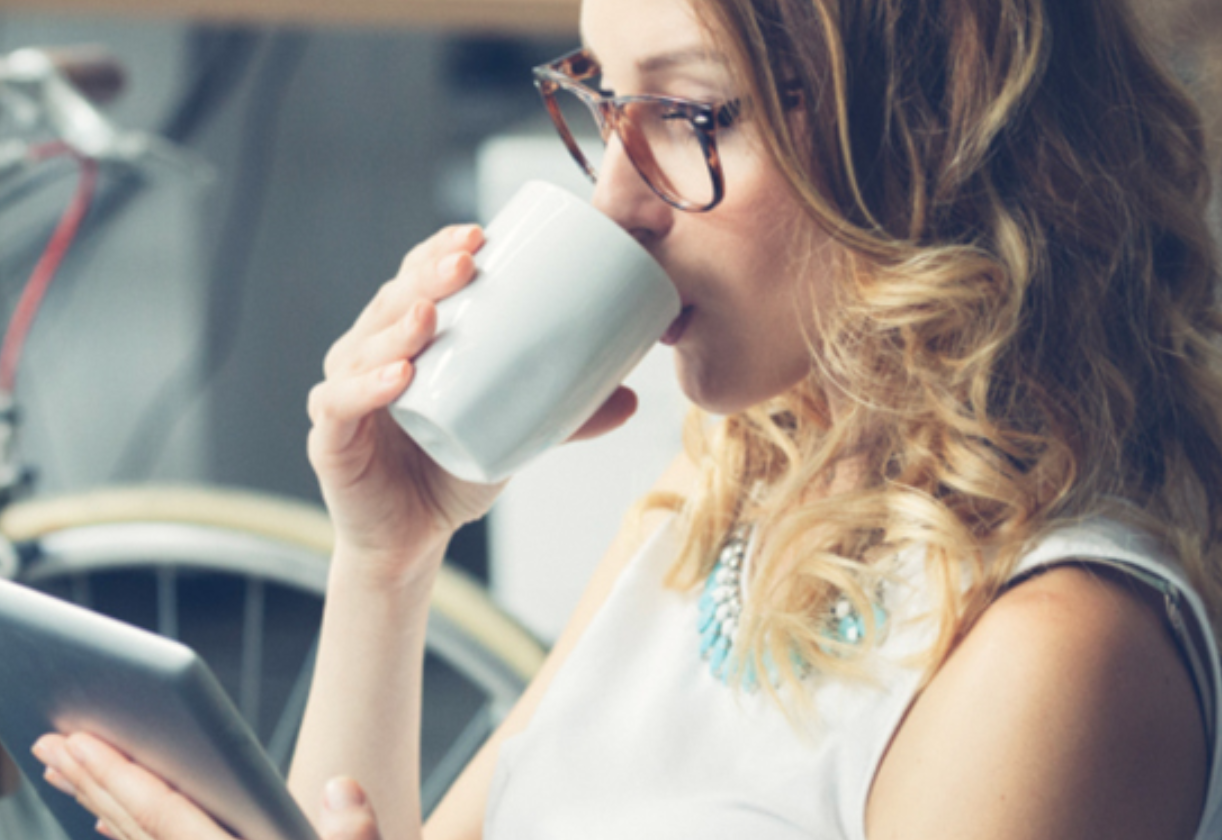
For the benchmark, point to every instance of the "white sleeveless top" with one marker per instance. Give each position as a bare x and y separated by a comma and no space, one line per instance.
636,738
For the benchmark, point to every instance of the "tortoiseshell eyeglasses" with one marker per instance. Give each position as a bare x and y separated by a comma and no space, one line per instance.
672,142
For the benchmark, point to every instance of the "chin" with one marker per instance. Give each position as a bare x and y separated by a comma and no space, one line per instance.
718,389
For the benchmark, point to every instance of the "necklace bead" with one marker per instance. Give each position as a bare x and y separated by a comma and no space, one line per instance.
721,604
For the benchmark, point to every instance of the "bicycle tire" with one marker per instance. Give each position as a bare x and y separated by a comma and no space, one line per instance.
285,542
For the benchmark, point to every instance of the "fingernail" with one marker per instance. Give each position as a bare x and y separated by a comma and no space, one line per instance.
393,372
342,794
80,749
448,266
463,233
105,830
58,781
41,750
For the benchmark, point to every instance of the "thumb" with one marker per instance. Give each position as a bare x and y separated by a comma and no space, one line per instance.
346,812
611,414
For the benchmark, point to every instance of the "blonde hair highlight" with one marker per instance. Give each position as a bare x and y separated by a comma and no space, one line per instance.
1024,332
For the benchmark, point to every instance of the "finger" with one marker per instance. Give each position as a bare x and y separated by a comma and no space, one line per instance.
402,339
393,304
346,813
59,781
610,415
340,409
465,238
344,401
62,772
133,802
69,776
434,269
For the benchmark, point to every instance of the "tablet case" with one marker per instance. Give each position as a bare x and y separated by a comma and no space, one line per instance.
64,668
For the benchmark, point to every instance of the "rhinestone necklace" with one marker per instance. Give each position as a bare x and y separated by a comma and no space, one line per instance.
721,605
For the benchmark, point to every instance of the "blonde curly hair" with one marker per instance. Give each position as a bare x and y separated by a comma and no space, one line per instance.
1025,331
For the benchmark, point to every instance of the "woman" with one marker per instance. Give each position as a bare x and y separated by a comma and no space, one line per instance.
960,521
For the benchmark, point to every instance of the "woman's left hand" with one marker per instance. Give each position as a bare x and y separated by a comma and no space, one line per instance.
133,804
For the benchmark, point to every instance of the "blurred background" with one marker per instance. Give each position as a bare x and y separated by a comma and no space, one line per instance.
185,331
190,320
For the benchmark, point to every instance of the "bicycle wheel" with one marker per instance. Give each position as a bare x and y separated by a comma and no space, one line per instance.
240,577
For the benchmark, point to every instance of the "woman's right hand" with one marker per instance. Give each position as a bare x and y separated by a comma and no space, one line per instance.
386,497
388,500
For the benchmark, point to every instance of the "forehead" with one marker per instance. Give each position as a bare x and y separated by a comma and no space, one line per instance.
632,38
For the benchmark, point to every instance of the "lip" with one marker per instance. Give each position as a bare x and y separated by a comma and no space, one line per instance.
677,327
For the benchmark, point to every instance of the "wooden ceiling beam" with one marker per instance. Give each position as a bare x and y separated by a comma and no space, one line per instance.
541,17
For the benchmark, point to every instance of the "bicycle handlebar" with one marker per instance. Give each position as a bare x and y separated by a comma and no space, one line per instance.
92,70
58,90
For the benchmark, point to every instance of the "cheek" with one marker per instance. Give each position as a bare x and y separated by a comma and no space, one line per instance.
777,274
773,270
754,348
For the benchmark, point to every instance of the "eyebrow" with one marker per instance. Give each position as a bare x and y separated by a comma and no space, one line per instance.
679,58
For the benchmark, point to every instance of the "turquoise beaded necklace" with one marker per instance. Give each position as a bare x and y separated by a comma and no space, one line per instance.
721,604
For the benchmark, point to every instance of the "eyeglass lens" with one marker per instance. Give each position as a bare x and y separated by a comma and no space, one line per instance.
657,135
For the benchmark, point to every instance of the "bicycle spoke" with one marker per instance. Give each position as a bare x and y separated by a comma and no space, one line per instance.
251,676
447,768
284,735
167,601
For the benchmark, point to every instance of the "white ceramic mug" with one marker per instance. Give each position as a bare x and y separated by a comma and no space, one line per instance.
563,305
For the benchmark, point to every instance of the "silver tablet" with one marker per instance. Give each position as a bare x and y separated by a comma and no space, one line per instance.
64,669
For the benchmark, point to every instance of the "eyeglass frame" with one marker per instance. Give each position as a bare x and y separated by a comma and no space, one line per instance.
570,70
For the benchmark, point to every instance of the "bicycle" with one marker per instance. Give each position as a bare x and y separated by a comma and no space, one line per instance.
115,547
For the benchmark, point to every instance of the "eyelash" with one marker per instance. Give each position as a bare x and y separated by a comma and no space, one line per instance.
725,114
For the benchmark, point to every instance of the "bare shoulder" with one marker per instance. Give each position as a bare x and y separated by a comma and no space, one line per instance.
1067,711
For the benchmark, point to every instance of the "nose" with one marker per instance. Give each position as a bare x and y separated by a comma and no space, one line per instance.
622,194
